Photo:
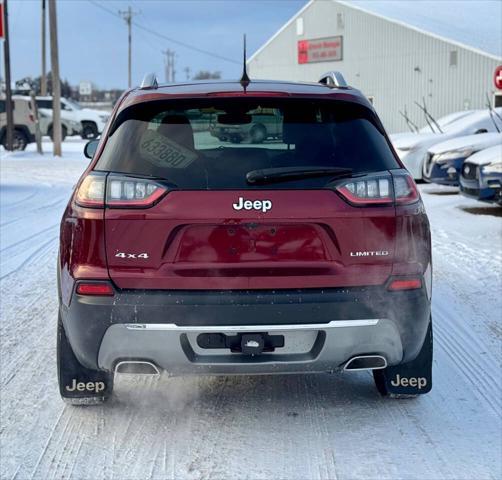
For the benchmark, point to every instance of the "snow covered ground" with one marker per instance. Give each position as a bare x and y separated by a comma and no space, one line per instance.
273,427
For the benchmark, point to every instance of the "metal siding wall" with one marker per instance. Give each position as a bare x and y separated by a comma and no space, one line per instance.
379,58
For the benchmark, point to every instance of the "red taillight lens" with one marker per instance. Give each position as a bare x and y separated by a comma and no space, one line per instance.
405,190
132,192
91,192
99,289
367,191
408,284
96,191
31,117
397,189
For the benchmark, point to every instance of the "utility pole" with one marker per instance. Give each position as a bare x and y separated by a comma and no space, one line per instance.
173,70
127,16
43,79
56,85
8,93
38,135
169,62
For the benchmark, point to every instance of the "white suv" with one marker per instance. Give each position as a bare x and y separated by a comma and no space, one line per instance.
92,121
68,126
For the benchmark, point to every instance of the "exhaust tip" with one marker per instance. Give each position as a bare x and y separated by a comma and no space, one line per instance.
366,362
140,367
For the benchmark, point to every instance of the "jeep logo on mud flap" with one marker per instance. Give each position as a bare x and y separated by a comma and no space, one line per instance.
418,382
86,387
263,205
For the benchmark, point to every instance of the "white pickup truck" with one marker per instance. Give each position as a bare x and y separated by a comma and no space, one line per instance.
92,121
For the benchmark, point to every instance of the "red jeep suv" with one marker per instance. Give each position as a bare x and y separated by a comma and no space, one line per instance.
306,252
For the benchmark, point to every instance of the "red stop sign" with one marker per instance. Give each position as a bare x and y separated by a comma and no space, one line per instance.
497,77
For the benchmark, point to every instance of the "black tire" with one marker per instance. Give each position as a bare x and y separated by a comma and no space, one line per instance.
76,382
19,140
89,130
64,132
258,134
417,374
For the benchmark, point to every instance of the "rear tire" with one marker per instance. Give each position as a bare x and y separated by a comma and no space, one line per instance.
258,134
89,130
64,132
409,379
79,385
19,140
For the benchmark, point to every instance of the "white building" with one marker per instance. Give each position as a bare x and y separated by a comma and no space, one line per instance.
394,62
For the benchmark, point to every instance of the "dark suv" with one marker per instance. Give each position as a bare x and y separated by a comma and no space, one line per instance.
308,253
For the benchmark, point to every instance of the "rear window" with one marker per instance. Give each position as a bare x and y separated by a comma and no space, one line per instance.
214,143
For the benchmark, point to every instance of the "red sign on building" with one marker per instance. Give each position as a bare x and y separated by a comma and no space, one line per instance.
497,77
2,29
329,49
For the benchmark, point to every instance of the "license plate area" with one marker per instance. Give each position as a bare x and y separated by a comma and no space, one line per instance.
245,343
252,242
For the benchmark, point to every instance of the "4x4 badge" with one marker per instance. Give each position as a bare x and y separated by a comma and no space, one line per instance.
131,255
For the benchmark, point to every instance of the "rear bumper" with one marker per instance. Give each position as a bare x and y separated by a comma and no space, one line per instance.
308,347
322,328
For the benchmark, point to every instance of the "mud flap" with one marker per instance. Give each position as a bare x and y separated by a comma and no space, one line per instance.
411,378
79,385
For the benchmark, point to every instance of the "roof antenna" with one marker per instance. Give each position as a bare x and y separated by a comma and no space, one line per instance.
244,81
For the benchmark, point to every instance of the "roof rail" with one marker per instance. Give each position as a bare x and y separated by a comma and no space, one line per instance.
333,79
149,81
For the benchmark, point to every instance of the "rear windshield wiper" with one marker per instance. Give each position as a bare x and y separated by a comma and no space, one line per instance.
281,174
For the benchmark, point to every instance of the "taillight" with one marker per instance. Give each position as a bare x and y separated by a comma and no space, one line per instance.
367,191
95,288
98,191
91,192
405,189
405,284
398,189
132,192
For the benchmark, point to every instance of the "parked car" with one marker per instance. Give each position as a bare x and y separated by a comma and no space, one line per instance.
265,124
24,123
443,122
444,160
412,148
311,254
481,176
92,121
67,124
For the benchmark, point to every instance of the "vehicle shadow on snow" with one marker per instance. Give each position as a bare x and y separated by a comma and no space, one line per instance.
290,393
493,211
443,191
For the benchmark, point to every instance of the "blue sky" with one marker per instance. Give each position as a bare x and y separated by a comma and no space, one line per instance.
93,42
93,38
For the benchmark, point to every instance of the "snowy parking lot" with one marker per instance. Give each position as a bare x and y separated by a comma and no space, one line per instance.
266,427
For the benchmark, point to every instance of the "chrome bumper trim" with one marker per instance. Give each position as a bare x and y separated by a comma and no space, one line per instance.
252,328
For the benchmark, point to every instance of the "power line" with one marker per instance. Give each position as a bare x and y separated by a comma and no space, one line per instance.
165,37
185,45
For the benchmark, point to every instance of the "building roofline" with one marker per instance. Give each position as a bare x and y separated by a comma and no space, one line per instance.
276,34
348,4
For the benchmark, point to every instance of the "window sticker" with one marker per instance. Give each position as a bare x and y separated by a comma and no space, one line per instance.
164,152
